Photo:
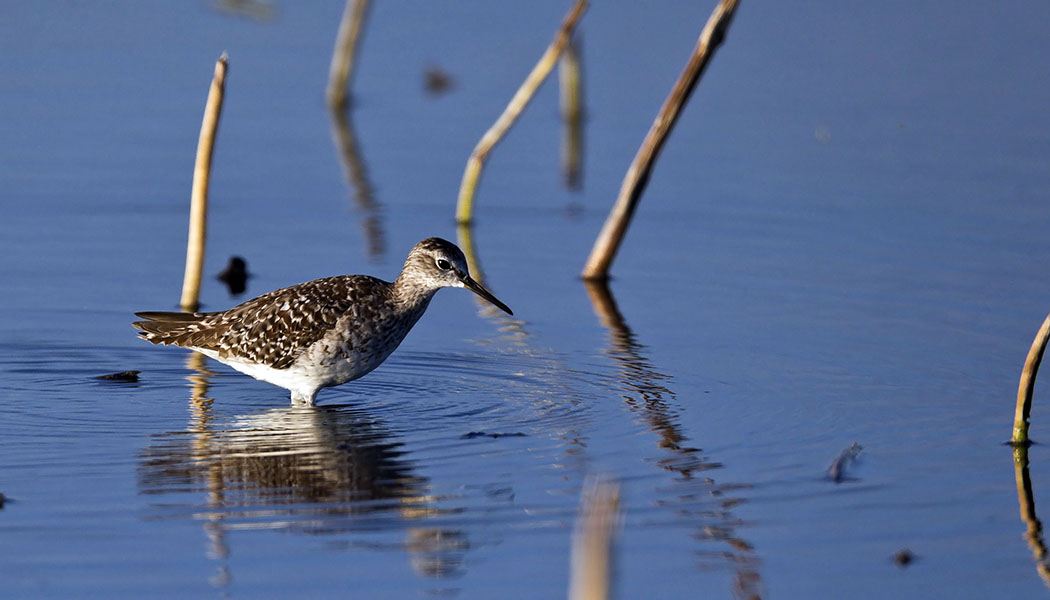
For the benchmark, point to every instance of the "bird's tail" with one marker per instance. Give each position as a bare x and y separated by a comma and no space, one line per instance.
174,328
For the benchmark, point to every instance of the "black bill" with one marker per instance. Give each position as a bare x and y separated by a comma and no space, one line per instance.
477,289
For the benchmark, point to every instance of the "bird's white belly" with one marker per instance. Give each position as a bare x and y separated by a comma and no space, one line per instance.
332,360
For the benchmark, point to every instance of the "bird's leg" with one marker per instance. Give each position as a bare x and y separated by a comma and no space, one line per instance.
303,397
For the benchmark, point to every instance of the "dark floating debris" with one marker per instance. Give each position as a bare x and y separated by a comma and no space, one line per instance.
235,275
260,10
2,499
122,377
837,470
574,210
904,557
477,434
437,81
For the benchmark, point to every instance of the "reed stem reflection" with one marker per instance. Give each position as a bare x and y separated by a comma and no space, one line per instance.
639,379
646,392
570,87
513,327
1026,502
356,173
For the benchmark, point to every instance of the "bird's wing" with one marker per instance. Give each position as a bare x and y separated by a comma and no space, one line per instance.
274,328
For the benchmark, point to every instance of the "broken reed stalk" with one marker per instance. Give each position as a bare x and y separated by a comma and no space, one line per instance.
571,97
608,241
341,69
590,576
1027,384
191,281
469,184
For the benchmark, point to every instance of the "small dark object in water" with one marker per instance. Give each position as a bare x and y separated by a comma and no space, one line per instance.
477,434
2,498
436,81
261,10
837,470
903,558
123,376
235,275
574,210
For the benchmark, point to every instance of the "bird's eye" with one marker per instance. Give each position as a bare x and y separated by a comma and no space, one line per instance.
443,264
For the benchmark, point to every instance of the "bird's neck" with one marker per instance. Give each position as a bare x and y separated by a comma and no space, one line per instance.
410,295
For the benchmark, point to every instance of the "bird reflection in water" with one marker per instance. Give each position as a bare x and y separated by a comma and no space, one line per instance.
315,470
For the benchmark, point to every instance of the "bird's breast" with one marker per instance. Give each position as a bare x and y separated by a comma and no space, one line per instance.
354,347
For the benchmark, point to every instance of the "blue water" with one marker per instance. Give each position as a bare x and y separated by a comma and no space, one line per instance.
842,242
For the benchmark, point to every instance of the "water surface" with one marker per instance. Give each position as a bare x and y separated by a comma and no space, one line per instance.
842,242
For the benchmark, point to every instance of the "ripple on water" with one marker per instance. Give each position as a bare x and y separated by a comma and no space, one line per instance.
54,390
434,390
394,453
366,465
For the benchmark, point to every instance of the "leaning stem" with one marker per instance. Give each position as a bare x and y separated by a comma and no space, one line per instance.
1027,384
341,68
469,184
634,182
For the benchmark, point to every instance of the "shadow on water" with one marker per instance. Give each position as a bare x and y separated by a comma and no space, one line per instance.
319,470
356,174
1026,504
646,392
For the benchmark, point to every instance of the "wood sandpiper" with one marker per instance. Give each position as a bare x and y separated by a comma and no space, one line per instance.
320,333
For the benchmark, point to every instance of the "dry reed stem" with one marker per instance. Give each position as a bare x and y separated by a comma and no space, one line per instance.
608,241
191,281
341,69
469,184
1027,384
571,99
590,576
